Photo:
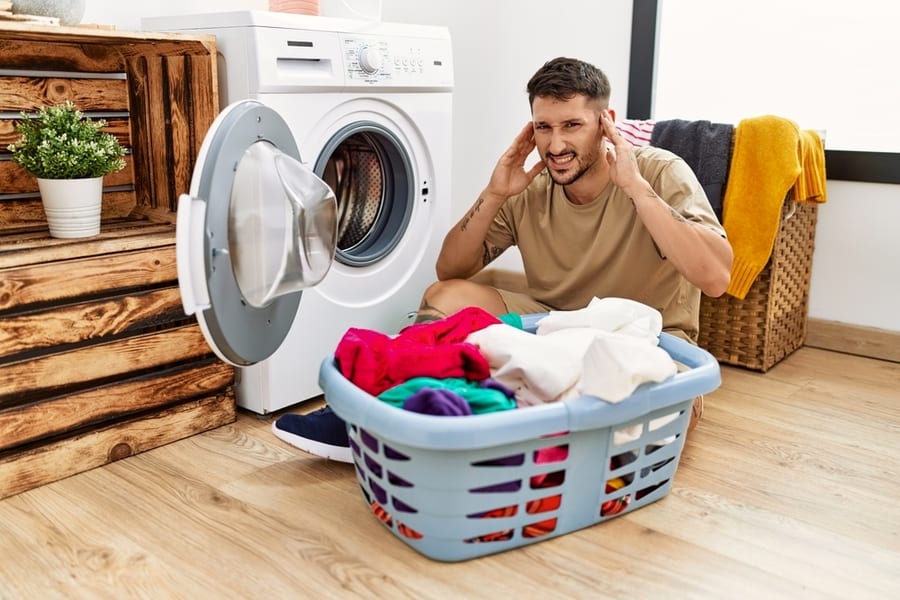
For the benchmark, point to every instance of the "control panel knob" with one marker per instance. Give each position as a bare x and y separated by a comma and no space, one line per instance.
370,59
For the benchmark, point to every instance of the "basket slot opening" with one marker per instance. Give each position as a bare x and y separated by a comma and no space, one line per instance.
496,513
657,446
508,486
403,506
539,529
386,518
548,480
373,466
496,536
552,454
369,440
615,505
626,435
644,492
379,492
393,479
542,505
656,466
409,532
620,460
514,460
393,454
661,422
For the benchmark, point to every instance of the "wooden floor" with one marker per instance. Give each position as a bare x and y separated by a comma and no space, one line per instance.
789,488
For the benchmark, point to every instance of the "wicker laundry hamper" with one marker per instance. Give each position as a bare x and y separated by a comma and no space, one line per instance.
770,323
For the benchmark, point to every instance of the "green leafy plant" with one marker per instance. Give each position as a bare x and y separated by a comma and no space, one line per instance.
62,143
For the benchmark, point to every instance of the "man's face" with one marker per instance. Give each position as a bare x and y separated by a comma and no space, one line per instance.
568,136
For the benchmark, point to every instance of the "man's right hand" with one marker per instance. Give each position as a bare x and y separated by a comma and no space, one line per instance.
509,176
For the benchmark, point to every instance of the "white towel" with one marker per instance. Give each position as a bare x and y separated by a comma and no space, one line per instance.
616,315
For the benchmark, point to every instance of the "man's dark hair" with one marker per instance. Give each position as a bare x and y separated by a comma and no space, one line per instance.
562,78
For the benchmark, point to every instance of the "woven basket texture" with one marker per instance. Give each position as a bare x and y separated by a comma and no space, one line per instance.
770,323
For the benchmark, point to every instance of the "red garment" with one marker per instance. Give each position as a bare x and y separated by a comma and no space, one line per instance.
375,362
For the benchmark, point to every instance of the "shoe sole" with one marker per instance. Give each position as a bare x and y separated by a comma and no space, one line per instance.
335,453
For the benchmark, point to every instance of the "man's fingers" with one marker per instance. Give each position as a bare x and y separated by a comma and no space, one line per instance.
535,169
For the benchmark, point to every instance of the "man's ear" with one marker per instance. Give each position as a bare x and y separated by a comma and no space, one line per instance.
612,113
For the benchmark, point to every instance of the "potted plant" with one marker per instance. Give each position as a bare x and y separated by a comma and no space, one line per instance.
69,155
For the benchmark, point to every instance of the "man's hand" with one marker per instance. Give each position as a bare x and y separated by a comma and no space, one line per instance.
509,176
623,168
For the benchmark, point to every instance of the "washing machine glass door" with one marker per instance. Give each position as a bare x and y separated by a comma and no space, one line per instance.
256,229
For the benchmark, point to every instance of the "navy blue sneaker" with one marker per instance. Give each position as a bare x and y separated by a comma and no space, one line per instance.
320,432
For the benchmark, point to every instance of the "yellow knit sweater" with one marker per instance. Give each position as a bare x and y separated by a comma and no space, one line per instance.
765,164
810,185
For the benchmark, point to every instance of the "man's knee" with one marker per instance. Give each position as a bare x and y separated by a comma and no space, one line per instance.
439,300
443,298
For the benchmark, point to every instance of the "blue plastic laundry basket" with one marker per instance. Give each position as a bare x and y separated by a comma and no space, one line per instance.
455,488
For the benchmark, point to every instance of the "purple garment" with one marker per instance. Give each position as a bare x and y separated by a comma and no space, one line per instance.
493,384
432,401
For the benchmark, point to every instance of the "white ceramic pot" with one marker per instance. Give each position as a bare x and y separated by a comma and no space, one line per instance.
69,12
72,206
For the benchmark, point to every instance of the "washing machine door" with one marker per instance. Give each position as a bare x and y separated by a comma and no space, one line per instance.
256,229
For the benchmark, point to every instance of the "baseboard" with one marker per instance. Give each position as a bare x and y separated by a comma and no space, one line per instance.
853,339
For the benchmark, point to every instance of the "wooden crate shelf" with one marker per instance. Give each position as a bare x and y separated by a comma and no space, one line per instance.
97,359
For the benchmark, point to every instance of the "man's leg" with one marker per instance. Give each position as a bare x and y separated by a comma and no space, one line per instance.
443,298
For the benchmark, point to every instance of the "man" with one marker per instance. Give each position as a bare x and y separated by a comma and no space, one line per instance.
594,217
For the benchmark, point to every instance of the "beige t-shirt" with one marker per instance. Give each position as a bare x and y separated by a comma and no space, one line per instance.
572,253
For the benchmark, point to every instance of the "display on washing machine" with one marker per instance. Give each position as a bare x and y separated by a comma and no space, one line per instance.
256,229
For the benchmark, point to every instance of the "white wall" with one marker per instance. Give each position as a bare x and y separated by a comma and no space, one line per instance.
499,43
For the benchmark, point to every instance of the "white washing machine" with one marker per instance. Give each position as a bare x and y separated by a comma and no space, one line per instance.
369,106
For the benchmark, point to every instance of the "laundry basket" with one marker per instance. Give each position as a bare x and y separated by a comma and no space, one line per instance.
455,488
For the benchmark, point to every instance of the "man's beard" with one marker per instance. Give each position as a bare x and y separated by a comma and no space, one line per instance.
566,178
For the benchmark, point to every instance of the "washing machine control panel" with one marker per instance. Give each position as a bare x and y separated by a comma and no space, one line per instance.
397,62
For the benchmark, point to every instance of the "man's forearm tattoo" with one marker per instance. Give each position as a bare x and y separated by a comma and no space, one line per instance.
471,215
490,253
428,313
678,216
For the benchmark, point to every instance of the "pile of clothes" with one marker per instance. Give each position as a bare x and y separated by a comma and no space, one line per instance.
472,362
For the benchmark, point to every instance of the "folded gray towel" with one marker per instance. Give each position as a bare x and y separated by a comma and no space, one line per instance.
705,147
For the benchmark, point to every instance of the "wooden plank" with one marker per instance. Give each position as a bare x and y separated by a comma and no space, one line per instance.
872,342
203,105
33,247
150,142
118,126
15,180
28,50
30,94
26,469
179,149
127,43
37,331
64,372
22,424
54,282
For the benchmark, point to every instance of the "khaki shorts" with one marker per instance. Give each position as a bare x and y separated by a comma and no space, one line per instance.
522,304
